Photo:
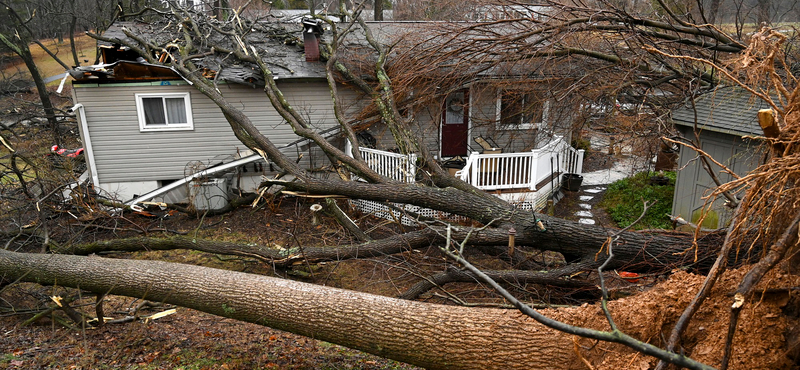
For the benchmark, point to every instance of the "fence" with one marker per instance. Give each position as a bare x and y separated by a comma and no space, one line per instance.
400,167
521,170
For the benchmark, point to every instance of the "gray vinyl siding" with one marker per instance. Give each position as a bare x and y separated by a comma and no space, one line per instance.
483,122
722,117
123,153
693,182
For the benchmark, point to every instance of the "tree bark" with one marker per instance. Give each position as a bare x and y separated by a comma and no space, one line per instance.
72,45
378,10
22,49
427,335
763,8
636,251
285,257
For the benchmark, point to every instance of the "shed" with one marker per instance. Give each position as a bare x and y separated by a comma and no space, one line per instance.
720,120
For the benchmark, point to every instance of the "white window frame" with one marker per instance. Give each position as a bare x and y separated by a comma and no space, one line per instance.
187,104
522,125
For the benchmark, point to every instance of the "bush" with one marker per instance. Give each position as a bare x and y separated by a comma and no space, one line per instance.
584,144
623,200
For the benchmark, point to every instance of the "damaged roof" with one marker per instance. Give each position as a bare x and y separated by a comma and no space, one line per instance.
278,44
281,47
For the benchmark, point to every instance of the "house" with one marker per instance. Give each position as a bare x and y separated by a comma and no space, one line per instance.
145,128
721,119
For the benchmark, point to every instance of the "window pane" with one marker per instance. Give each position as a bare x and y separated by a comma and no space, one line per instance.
517,107
510,109
153,111
532,112
455,107
176,110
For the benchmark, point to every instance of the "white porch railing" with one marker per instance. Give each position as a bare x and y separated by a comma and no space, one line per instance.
400,167
521,170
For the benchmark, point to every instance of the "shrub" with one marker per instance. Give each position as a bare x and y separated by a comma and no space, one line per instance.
581,144
623,200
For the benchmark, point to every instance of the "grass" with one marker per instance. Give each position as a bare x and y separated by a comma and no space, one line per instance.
47,65
623,201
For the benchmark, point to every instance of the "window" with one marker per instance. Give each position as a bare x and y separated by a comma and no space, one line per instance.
455,108
160,112
519,110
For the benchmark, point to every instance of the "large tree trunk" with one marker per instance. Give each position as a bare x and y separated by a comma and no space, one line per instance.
428,335
635,250
378,10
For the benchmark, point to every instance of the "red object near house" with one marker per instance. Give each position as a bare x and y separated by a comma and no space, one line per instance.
630,277
72,153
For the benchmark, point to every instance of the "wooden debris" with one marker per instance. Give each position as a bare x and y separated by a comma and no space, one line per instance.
345,221
768,123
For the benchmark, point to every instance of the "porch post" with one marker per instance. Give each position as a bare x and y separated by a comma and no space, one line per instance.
579,164
475,165
348,148
534,171
411,168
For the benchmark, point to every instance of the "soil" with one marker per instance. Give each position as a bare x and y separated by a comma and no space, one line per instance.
766,320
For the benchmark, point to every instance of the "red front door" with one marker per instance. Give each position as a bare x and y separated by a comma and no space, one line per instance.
455,124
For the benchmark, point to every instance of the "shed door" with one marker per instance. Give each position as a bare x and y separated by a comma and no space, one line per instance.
455,124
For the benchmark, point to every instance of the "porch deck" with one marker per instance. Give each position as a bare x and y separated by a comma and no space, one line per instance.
526,179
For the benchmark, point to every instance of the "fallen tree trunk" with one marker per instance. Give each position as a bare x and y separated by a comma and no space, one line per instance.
276,257
636,251
554,278
427,335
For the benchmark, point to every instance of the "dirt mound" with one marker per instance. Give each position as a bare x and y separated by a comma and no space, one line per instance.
761,336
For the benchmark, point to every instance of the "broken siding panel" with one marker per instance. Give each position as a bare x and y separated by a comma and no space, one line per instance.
123,153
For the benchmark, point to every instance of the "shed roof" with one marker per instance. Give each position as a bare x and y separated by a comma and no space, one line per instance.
728,110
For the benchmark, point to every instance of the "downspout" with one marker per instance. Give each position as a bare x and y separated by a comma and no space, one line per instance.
87,142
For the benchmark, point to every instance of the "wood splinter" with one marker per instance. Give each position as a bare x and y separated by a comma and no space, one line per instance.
768,123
